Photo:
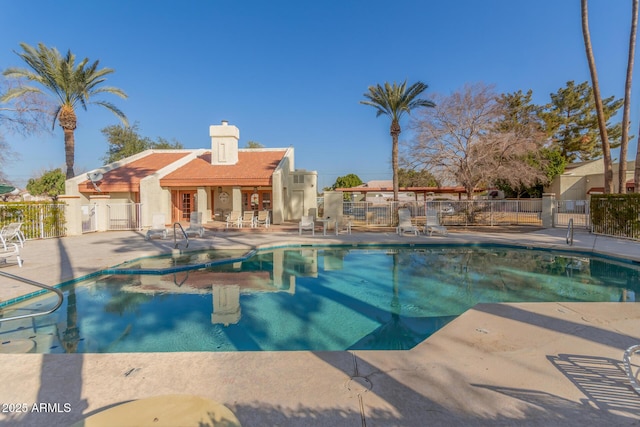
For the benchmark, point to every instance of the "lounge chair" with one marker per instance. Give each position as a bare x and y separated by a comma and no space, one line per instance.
432,224
158,226
307,223
8,249
233,219
404,222
344,224
12,232
195,225
248,219
263,219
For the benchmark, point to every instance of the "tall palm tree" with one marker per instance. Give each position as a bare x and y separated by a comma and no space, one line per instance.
622,167
394,100
636,174
602,121
70,84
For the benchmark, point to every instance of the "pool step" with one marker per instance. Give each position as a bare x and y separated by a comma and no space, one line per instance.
18,346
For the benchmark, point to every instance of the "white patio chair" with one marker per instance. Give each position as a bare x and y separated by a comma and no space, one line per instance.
158,226
307,223
8,249
248,218
263,219
12,232
195,225
432,224
344,224
404,222
233,219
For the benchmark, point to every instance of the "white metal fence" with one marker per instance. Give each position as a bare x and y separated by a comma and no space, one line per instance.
616,217
40,220
578,210
124,216
453,212
371,214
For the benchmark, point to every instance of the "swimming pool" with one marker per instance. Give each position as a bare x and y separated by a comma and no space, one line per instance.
307,298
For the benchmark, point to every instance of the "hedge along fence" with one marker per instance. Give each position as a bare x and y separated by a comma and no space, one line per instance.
40,220
616,215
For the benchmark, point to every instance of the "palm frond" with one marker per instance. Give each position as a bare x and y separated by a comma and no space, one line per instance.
56,112
18,92
394,99
115,110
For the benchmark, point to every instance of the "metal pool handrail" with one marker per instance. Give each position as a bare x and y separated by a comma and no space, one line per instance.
33,283
175,243
570,232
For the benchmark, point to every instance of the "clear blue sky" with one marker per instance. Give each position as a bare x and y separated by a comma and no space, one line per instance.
292,73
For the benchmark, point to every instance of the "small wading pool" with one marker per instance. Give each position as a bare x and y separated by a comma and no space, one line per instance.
306,298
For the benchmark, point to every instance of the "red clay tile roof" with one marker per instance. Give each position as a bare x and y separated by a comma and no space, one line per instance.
127,178
254,168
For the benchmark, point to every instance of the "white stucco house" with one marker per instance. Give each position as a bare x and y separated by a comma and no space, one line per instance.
579,180
213,181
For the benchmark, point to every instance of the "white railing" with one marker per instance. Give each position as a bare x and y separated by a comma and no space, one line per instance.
124,216
39,220
372,214
452,212
89,218
565,210
490,212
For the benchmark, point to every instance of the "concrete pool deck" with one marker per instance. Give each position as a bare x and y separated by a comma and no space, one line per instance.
497,364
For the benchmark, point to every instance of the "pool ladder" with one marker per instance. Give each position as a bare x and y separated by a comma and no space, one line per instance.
184,233
570,232
33,283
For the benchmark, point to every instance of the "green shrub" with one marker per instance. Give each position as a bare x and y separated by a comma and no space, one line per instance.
616,215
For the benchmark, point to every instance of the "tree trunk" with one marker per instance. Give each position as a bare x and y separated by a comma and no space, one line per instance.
69,151
622,165
395,132
602,124
636,175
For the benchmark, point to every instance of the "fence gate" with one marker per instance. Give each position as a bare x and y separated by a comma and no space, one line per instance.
578,210
89,218
124,216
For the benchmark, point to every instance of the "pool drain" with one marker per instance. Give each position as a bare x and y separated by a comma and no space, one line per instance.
359,385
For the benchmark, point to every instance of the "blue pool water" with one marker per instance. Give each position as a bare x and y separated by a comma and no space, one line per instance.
309,298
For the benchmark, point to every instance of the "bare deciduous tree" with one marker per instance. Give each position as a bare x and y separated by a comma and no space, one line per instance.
459,142
23,116
26,115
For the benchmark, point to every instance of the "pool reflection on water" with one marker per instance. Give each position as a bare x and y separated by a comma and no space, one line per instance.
308,298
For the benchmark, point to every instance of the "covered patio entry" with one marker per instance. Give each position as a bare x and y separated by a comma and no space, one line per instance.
183,202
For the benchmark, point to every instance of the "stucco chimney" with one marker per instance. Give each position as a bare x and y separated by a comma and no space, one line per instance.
224,144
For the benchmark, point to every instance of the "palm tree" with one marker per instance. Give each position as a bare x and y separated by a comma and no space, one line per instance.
636,174
622,167
602,125
70,84
394,100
